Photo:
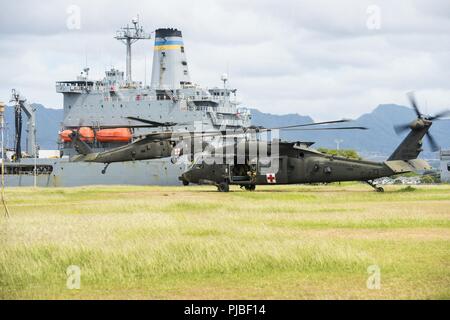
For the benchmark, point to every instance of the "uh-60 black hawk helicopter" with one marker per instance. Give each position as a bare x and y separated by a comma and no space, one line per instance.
297,163
169,143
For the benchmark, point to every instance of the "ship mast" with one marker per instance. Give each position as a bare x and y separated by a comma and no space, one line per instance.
129,35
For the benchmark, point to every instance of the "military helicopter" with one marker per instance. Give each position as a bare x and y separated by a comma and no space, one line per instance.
170,143
298,163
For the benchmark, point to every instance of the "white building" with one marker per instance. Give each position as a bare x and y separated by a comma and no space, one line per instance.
445,165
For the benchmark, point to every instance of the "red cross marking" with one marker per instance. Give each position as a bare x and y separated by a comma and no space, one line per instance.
271,178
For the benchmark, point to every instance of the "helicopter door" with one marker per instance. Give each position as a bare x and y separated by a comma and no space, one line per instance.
282,174
240,173
272,172
296,171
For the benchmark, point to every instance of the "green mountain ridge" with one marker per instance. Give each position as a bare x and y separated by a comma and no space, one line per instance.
380,138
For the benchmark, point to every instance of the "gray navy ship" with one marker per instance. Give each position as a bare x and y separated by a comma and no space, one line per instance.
99,109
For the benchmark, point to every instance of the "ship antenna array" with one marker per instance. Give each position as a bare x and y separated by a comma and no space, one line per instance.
129,35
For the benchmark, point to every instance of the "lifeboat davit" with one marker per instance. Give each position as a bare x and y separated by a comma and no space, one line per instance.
114,135
86,134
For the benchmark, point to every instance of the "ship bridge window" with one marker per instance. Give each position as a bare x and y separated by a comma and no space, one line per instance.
184,63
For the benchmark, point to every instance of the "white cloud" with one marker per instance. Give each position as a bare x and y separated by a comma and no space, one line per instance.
311,57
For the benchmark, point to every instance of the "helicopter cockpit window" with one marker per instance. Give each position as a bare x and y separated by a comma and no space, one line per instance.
197,159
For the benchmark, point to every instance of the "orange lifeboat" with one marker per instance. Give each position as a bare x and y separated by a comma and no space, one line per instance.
114,135
65,135
86,133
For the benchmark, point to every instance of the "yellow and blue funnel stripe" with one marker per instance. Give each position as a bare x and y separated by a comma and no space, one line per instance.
168,44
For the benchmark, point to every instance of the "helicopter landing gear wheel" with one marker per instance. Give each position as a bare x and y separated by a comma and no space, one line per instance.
185,183
250,187
223,187
374,186
106,167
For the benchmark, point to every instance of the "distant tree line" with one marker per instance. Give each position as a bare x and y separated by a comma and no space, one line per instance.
346,153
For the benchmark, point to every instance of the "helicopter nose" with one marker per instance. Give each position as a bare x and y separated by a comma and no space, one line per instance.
185,176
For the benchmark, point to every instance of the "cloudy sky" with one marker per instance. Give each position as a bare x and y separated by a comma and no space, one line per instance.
327,59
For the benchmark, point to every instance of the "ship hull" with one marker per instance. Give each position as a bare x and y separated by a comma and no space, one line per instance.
71,174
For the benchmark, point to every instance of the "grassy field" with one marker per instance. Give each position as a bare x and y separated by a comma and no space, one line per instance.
281,242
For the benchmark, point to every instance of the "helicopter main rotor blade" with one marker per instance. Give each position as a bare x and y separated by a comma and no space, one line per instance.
412,99
153,123
433,144
400,128
112,126
174,135
317,129
223,133
439,115
309,124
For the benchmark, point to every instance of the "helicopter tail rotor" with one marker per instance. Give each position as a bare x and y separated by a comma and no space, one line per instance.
422,121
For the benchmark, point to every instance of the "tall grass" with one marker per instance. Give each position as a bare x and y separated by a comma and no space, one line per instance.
173,242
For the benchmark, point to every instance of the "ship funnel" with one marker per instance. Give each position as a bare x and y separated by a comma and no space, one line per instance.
170,69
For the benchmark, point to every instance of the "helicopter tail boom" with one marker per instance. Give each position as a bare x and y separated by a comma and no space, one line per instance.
411,146
79,145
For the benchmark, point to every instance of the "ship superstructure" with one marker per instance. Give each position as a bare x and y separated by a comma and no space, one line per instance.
100,109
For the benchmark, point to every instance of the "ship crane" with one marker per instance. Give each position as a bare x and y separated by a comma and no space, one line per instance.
21,104
129,35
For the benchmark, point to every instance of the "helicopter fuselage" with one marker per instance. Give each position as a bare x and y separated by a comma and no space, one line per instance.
301,166
294,164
